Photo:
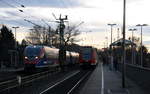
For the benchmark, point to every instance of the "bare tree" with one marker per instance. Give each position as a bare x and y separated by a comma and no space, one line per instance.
49,36
41,35
34,37
70,35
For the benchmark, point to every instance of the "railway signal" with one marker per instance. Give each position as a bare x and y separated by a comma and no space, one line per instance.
62,50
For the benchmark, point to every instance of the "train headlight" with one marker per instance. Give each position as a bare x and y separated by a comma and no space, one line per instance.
45,62
26,57
36,57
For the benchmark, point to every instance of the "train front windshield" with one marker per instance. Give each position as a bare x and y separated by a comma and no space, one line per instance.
32,51
87,53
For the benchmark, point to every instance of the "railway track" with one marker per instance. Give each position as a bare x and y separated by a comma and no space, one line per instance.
69,84
21,80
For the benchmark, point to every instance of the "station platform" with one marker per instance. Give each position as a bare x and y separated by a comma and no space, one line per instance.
105,81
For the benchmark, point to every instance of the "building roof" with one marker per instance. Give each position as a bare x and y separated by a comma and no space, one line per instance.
120,41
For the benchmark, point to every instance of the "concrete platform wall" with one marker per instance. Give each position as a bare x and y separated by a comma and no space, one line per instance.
140,75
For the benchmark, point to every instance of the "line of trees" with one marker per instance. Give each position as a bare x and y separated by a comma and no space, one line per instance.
7,42
8,51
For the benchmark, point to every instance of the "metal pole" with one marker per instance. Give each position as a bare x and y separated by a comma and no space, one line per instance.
15,39
106,42
133,29
118,34
141,25
15,36
15,46
124,52
111,52
141,48
111,34
62,50
50,36
132,46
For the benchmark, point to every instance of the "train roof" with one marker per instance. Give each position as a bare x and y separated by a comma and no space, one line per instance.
42,46
87,47
34,46
39,46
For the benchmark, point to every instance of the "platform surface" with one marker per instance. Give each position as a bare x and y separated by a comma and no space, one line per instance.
105,81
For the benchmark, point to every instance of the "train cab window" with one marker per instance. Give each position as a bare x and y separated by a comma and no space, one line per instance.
32,51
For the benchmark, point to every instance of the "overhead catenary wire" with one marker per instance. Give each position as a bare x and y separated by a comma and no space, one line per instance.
12,20
32,23
69,2
24,12
45,22
10,5
19,3
69,5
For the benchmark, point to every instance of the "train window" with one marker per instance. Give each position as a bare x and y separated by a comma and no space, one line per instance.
32,51
87,51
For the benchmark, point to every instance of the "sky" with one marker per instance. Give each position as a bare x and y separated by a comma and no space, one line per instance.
96,14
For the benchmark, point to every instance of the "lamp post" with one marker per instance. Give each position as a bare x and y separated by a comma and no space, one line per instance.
132,29
111,57
111,25
15,27
16,55
141,25
123,46
118,33
106,42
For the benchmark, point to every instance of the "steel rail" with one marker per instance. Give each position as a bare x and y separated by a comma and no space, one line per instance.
59,82
27,79
80,80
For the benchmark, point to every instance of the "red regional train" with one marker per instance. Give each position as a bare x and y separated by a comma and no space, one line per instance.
88,57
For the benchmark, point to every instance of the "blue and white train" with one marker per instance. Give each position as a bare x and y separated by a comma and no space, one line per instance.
44,56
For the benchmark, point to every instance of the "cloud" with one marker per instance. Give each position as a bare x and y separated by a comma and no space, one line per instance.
96,14
95,39
40,3
147,42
